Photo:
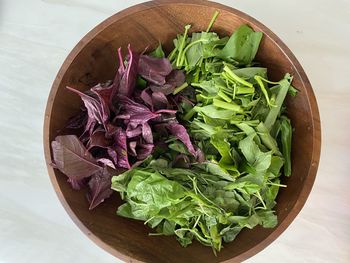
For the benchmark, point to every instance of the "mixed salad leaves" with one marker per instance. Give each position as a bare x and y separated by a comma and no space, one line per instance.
195,143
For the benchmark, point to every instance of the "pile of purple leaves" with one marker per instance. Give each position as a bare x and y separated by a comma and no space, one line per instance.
121,123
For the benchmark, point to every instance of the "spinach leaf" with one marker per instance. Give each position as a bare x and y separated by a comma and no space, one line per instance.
286,138
267,139
284,85
242,46
216,113
158,52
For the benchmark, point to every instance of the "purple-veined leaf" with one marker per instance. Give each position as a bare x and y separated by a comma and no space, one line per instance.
104,95
107,162
98,139
125,79
72,158
147,99
154,69
147,133
175,79
100,187
118,151
135,112
128,79
144,150
133,132
77,184
159,100
180,132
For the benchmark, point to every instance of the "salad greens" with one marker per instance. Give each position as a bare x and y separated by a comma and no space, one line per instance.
235,115
202,135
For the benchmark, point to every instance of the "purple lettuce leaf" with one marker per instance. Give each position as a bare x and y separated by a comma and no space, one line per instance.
140,150
181,160
107,162
159,100
147,98
111,129
164,118
72,158
112,153
128,80
132,132
172,112
144,150
134,112
98,139
125,79
154,69
118,151
100,187
180,132
94,110
104,95
147,133
77,184
174,79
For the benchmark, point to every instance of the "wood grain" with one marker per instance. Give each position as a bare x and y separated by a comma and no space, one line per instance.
94,60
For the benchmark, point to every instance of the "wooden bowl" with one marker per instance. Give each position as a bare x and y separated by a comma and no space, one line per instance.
94,60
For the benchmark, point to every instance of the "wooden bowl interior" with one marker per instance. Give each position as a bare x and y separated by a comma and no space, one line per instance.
96,61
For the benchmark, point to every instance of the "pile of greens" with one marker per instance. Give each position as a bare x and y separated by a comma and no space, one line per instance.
227,176
195,143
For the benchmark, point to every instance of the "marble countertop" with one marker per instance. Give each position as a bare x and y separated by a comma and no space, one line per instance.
35,38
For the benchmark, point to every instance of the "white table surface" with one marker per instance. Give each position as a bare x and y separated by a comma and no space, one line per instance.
35,38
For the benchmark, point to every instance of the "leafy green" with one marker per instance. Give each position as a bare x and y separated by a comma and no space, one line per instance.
242,45
266,138
215,112
158,52
256,158
286,139
242,141
284,85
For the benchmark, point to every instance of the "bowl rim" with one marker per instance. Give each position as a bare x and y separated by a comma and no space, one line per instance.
316,127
